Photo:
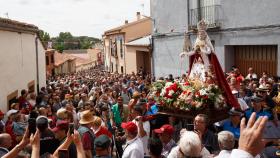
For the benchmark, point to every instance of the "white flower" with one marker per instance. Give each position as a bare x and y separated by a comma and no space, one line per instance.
171,92
203,92
163,92
168,84
198,104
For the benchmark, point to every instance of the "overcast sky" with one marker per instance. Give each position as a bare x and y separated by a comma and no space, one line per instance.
80,17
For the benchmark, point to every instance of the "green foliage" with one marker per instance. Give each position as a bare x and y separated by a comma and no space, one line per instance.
44,36
66,41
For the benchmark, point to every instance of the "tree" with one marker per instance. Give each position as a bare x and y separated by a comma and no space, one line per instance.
44,36
66,41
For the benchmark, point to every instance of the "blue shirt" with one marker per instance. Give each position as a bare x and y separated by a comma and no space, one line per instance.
228,126
249,112
152,110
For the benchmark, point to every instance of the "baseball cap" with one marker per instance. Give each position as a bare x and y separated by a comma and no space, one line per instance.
1,113
102,141
165,129
11,112
257,99
61,125
235,112
130,126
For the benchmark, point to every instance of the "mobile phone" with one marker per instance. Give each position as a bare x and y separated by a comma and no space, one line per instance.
71,128
32,126
63,154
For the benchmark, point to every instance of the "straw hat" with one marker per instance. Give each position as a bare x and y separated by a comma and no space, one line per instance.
136,94
87,117
262,88
68,96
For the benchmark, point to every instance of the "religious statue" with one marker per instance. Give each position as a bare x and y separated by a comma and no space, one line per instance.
202,48
204,65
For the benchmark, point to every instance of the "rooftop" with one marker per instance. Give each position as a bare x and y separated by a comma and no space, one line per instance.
118,29
144,41
15,26
60,58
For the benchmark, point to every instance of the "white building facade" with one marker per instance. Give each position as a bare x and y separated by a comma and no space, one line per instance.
20,50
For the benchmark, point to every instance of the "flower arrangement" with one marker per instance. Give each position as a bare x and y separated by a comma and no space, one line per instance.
170,92
191,95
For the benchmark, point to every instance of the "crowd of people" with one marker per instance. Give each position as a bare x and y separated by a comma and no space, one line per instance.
94,113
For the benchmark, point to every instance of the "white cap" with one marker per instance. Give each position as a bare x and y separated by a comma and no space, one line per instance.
10,112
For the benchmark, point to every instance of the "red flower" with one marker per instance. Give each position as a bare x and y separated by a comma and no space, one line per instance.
197,94
186,83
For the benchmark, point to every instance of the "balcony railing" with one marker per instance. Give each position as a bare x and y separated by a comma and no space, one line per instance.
211,14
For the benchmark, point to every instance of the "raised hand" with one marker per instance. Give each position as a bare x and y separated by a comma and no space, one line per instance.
251,135
35,139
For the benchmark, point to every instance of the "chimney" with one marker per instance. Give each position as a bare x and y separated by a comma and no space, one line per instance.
126,22
138,15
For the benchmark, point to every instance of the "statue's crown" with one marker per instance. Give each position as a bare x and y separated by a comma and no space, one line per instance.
202,25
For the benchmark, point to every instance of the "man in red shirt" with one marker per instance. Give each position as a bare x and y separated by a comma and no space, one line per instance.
238,76
99,129
22,99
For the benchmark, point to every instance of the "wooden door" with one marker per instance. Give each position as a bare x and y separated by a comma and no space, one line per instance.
260,57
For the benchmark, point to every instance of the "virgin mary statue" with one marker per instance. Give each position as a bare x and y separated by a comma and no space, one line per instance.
204,64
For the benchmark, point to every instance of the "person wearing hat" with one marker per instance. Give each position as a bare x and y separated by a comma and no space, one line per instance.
99,129
165,134
134,147
60,132
87,135
233,123
257,106
102,145
9,124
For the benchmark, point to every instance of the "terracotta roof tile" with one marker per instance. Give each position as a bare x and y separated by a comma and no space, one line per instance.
60,58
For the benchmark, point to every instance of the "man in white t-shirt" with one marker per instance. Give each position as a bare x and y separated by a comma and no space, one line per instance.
134,146
143,126
251,75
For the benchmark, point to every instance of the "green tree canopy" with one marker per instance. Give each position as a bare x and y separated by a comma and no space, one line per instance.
66,41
